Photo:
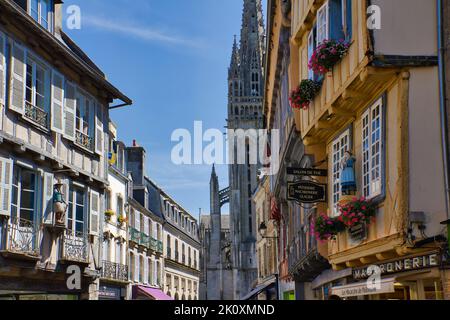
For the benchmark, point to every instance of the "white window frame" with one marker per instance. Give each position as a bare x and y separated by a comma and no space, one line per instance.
340,144
72,193
311,47
80,113
323,27
18,206
50,20
37,63
372,163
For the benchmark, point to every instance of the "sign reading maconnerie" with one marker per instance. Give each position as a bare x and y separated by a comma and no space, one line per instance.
306,192
401,265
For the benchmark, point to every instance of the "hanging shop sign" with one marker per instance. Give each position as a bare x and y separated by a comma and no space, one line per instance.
401,265
306,192
307,172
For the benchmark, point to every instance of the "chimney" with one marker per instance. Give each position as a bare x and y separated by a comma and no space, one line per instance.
136,158
59,16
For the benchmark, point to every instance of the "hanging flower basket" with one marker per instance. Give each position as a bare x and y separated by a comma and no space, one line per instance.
356,212
326,228
302,96
327,54
122,219
109,213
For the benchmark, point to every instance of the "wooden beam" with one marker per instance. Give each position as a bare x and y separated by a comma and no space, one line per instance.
341,112
368,259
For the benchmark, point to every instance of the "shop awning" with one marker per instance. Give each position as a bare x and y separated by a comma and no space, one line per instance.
259,289
153,293
364,288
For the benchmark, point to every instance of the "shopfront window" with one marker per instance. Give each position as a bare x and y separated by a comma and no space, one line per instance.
433,290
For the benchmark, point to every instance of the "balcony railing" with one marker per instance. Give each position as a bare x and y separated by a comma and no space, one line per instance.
159,247
22,237
114,271
144,240
36,115
135,235
75,247
84,141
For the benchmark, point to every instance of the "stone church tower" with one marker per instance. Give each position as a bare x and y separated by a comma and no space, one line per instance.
246,89
229,252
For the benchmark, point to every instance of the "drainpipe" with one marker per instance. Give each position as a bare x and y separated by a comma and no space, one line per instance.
443,113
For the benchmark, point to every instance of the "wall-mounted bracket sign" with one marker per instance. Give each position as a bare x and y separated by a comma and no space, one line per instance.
306,192
307,172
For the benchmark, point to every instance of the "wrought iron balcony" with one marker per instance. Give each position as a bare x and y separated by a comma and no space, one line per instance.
22,237
36,114
75,247
114,271
159,247
154,244
84,141
135,235
144,240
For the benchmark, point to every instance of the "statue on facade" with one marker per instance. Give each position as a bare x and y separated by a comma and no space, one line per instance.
59,205
227,250
348,181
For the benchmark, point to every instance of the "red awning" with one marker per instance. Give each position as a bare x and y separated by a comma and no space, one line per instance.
153,293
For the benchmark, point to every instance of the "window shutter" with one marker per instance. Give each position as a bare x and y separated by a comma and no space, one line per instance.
99,129
2,68
136,268
137,221
57,102
336,25
18,75
47,202
146,222
6,175
94,213
145,277
70,104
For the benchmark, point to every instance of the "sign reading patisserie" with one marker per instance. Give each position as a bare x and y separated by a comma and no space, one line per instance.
401,265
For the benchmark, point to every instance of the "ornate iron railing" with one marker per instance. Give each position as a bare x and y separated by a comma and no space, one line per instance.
36,115
114,271
144,240
135,235
22,237
84,141
159,247
75,246
154,244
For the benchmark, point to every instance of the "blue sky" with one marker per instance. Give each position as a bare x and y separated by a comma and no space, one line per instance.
171,58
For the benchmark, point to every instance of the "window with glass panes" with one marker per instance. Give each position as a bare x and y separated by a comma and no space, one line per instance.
84,115
372,135
37,91
23,204
339,146
42,12
75,215
322,24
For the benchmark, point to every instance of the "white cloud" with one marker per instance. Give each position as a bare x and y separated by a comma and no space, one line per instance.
145,33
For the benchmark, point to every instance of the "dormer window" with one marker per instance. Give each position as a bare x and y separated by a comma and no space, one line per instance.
39,10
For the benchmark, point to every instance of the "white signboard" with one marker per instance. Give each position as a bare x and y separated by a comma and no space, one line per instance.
364,288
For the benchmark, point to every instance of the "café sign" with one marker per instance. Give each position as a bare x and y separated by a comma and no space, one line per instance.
401,265
306,192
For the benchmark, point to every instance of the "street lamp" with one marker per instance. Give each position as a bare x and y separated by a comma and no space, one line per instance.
262,231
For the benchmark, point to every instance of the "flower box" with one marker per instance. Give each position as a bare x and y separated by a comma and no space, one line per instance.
327,54
302,96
